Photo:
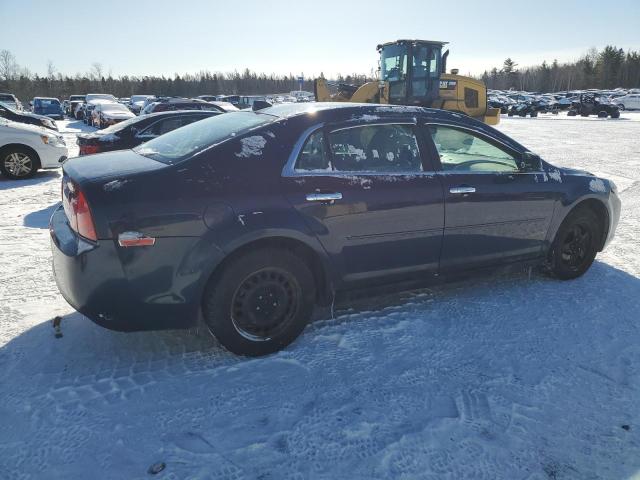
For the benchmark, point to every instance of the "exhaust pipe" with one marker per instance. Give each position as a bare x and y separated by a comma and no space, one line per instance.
444,62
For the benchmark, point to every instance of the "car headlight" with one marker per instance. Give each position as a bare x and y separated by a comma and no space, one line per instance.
52,140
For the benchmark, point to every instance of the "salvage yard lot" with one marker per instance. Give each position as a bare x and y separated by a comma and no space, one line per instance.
514,377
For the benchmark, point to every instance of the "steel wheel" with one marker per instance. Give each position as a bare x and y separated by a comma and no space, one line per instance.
265,303
18,165
575,246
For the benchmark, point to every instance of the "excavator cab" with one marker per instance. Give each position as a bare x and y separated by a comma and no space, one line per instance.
412,69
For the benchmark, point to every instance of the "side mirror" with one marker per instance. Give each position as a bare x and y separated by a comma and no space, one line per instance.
530,162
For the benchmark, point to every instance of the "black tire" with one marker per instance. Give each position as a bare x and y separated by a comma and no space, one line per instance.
602,114
510,113
576,244
534,114
616,114
18,163
584,114
522,114
256,280
571,113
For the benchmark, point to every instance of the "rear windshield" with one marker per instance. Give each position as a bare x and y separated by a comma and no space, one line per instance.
7,98
182,143
114,107
122,125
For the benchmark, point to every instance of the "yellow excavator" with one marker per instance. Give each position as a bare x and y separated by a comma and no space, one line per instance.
413,72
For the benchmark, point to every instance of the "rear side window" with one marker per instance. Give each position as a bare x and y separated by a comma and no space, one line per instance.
313,157
375,148
182,143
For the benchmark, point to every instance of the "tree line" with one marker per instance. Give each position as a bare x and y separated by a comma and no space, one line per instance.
25,85
609,68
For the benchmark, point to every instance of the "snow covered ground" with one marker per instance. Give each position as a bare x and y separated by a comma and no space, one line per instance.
509,377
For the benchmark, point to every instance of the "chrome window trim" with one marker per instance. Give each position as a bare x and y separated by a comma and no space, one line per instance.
289,171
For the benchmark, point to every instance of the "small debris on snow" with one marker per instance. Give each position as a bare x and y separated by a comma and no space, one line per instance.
156,468
597,185
626,427
56,325
252,146
114,185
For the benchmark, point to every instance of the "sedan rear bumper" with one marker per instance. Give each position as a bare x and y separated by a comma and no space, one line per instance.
91,278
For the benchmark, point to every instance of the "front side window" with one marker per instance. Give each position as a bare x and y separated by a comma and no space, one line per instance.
464,151
375,148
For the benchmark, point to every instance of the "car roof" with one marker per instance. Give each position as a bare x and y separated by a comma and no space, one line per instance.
346,109
370,112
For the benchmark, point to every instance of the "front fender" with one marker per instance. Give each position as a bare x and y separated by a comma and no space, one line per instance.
586,189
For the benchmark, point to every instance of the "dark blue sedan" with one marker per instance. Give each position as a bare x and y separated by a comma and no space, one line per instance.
253,218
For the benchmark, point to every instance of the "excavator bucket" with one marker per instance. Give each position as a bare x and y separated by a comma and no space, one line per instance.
370,92
492,117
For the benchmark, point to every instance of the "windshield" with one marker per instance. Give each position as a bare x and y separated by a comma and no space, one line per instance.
393,63
183,142
139,98
47,104
6,106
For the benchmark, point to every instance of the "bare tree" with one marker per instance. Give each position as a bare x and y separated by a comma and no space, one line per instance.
51,70
8,65
96,71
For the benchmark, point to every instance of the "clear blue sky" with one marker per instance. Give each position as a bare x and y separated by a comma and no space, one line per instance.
140,37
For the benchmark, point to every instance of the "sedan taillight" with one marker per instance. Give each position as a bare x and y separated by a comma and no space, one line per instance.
77,210
89,149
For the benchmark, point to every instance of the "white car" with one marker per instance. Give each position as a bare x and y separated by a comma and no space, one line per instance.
26,148
628,102
109,113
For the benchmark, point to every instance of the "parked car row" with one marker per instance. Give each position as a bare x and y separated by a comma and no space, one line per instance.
521,103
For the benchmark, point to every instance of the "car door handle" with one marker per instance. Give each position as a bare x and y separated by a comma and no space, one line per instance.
324,197
464,189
